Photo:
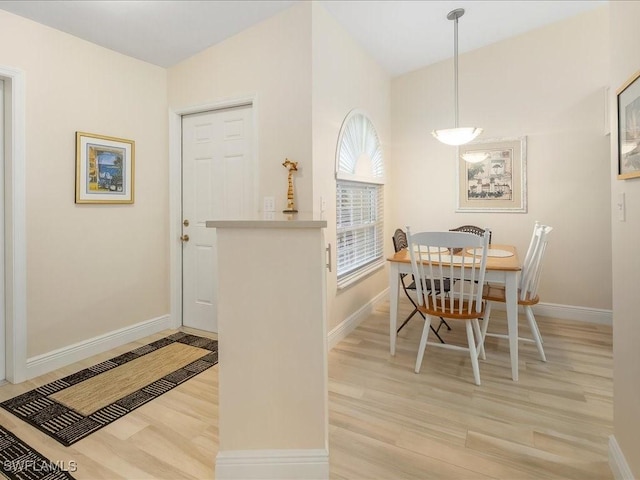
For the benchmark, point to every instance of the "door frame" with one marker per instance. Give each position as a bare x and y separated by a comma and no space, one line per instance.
175,188
15,243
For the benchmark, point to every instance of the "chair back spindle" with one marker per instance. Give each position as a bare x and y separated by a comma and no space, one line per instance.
449,257
532,266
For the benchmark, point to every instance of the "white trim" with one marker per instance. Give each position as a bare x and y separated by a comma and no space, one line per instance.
344,328
618,464
3,275
304,464
348,177
175,218
573,312
16,254
569,312
62,357
175,189
607,110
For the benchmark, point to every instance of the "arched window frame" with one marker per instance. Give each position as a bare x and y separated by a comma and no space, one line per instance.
360,182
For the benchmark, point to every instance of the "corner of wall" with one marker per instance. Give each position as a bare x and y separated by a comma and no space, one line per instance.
619,466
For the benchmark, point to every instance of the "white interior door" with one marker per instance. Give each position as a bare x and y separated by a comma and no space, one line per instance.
217,183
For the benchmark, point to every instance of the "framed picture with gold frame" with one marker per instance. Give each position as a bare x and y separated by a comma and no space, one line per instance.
104,169
628,104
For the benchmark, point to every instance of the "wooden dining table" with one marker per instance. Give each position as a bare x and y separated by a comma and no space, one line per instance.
500,269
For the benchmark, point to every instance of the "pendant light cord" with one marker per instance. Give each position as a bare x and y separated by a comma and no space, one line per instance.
456,135
455,68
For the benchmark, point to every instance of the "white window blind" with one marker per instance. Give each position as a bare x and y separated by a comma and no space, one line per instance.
359,226
359,199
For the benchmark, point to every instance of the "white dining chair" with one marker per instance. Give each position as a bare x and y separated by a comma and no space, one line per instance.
527,289
460,258
399,242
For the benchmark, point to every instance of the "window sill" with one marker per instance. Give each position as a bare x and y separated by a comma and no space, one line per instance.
355,277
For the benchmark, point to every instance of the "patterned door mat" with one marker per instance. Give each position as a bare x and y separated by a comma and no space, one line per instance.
75,406
18,461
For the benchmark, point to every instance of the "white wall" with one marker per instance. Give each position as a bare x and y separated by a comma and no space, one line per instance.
271,62
547,85
91,269
625,61
344,78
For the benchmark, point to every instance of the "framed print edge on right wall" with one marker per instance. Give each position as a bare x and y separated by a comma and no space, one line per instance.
628,110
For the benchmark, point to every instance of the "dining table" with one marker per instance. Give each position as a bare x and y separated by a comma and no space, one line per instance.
503,267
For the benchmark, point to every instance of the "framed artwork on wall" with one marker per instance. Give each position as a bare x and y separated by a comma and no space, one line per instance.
104,169
495,180
628,104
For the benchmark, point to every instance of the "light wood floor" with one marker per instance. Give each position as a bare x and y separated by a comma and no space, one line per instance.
387,422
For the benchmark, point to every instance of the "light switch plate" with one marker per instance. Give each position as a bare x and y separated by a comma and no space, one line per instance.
269,204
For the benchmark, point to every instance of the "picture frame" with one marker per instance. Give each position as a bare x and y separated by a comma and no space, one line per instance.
105,169
628,106
498,181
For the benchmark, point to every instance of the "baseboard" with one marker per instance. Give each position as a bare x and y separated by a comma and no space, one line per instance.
345,327
62,357
618,464
308,464
572,312
569,312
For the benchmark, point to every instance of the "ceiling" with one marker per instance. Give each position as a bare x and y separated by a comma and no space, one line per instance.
400,35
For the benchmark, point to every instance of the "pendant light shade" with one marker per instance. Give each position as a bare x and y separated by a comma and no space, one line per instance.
457,135
475,157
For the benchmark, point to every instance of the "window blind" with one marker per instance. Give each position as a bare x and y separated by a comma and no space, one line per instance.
359,226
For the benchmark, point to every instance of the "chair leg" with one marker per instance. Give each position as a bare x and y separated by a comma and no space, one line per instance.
415,310
444,322
473,352
534,330
485,321
480,346
535,324
434,330
423,342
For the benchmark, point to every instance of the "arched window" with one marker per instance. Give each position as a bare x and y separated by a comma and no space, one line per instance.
359,199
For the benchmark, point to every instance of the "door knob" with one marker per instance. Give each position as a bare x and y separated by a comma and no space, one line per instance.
184,238
186,223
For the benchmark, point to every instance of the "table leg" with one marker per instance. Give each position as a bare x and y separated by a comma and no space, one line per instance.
394,279
511,294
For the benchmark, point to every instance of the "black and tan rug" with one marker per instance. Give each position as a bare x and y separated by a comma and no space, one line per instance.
71,408
18,461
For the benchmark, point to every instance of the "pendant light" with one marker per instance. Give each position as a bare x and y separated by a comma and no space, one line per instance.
457,135
475,157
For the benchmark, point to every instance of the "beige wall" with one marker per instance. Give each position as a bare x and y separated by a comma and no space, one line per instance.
344,78
272,63
547,85
273,378
625,61
91,269
306,74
